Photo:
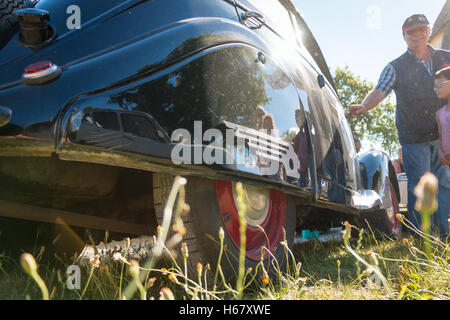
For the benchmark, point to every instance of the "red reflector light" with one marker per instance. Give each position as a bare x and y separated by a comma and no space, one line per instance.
41,72
38,66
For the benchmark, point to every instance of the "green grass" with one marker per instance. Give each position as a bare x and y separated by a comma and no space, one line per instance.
365,269
409,274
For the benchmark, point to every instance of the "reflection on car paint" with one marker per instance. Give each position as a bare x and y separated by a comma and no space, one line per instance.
211,70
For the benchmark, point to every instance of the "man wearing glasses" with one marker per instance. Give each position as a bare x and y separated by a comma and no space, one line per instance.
411,78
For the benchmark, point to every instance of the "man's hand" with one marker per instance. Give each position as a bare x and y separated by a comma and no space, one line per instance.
369,102
356,109
445,162
445,159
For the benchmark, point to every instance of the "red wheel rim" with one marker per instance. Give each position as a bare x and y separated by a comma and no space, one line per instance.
255,237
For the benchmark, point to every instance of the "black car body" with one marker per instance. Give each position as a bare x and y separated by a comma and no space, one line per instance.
98,128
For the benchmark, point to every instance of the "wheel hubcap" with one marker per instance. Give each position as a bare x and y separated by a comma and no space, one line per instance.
256,201
265,216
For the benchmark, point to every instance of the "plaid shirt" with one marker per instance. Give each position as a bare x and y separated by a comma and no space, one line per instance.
388,76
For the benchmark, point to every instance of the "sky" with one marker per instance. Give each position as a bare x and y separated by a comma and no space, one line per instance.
364,35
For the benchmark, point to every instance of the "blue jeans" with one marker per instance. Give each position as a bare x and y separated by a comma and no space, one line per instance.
418,159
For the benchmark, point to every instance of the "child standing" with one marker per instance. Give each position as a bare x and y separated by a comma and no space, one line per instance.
442,88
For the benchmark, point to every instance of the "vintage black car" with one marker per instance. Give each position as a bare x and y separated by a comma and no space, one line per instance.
103,102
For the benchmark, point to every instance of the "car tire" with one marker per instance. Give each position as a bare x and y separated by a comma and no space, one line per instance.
211,200
384,222
8,25
162,184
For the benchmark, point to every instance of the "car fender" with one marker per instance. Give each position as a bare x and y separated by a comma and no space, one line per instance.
377,172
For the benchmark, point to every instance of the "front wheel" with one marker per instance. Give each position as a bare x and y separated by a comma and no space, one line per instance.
213,206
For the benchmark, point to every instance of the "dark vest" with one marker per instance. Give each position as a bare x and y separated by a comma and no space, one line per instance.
417,102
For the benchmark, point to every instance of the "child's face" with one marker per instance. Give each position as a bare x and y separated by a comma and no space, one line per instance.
442,88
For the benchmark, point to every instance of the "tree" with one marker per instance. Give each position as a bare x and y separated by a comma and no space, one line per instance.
378,124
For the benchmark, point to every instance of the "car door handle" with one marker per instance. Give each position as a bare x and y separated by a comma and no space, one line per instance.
252,19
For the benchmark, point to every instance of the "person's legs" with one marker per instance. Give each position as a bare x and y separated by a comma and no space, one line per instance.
441,173
416,160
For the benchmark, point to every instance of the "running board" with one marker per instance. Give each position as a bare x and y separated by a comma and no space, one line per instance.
48,215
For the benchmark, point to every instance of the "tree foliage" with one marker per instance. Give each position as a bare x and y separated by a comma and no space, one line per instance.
377,125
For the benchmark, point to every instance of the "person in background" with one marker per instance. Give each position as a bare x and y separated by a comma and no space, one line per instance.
270,168
260,113
357,145
398,163
300,143
411,76
442,88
